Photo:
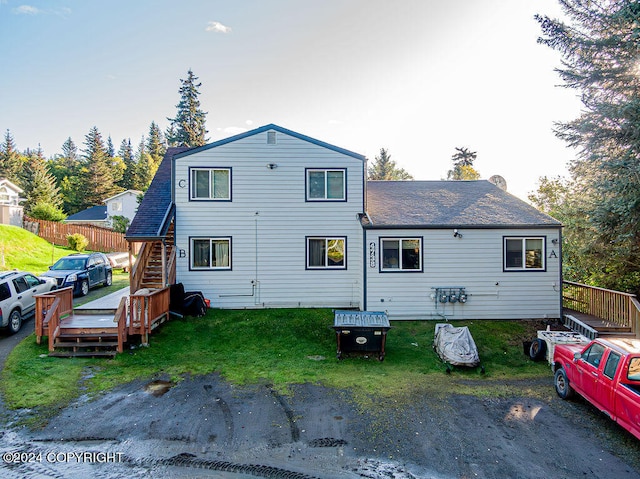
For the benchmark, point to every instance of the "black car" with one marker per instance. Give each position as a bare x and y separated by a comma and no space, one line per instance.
82,272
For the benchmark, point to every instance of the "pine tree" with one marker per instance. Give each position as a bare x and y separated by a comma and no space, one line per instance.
385,168
156,146
67,170
599,45
188,127
144,168
98,179
463,168
38,183
126,153
10,160
111,151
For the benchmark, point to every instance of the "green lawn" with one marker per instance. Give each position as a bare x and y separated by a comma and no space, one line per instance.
278,347
20,249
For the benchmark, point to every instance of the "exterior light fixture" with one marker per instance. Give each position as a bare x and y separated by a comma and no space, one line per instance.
456,234
272,166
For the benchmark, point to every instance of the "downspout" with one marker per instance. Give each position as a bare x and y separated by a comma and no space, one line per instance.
364,237
561,275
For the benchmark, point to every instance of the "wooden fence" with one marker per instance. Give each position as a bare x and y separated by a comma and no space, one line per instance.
100,239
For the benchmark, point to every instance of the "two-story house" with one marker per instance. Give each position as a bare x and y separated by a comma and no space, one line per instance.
274,218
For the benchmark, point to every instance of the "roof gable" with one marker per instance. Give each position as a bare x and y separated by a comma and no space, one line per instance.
10,185
271,127
432,204
124,193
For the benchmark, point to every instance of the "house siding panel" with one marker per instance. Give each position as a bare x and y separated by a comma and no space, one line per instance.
474,262
268,220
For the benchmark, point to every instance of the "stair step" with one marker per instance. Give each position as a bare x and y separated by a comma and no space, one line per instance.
86,354
90,344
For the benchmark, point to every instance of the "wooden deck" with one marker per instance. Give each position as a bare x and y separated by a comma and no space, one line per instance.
600,312
100,328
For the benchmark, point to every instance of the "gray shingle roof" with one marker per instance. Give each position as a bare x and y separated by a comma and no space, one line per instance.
156,205
93,213
432,204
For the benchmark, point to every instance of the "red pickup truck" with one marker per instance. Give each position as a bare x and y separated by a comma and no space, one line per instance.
606,372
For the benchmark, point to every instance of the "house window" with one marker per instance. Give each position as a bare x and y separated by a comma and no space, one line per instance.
326,185
211,253
211,184
116,206
401,254
326,253
524,254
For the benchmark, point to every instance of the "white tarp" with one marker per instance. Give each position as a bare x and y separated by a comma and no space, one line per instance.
455,345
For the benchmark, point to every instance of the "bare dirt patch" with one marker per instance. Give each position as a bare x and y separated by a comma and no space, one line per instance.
222,430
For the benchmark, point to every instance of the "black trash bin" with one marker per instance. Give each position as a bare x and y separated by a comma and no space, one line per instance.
362,332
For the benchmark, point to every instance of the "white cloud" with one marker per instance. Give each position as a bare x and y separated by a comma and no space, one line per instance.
217,27
26,10
249,122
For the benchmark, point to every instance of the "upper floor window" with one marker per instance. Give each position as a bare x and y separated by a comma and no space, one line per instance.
401,254
326,185
524,254
211,184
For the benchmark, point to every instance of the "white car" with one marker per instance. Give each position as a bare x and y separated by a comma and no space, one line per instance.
16,296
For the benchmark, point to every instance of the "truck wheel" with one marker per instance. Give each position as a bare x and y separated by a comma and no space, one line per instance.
563,388
15,321
538,349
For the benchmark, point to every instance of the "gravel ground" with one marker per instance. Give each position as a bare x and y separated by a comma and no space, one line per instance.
205,427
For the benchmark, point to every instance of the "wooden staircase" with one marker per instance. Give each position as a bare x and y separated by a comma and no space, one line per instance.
87,345
152,275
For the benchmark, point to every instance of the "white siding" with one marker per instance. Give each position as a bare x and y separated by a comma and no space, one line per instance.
474,262
268,221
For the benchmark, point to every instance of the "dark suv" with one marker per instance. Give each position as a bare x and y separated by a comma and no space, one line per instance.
82,272
16,296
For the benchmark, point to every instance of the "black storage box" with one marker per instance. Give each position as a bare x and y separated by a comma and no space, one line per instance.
361,331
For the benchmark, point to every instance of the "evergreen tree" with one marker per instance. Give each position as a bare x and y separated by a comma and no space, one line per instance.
98,178
38,183
68,172
600,49
128,176
156,146
385,168
144,168
10,160
188,127
463,168
111,151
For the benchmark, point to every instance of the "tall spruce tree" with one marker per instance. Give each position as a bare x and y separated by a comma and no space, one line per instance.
600,46
67,169
188,127
38,183
129,175
385,168
144,167
156,145
98,178
10,160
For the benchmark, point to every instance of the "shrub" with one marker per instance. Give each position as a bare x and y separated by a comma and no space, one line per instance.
47,211
77,242
120,224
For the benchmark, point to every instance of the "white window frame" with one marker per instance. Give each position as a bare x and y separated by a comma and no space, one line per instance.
325,171
212,241
326,240
400,268
523,259
212,184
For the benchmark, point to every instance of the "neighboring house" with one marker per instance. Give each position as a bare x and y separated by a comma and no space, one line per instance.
123,204
11,211
94,215
273,218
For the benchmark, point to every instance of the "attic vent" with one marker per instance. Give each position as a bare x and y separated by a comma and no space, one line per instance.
271,138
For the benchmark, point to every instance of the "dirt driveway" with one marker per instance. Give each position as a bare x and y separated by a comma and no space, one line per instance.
205,427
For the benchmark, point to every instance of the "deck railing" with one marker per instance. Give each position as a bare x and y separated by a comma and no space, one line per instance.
147,310
121,319
622,309
50,307
137,271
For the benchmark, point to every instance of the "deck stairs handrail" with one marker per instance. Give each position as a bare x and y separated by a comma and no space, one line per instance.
147,309
621,309
54,304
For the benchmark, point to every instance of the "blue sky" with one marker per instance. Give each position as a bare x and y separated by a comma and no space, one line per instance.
418,77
